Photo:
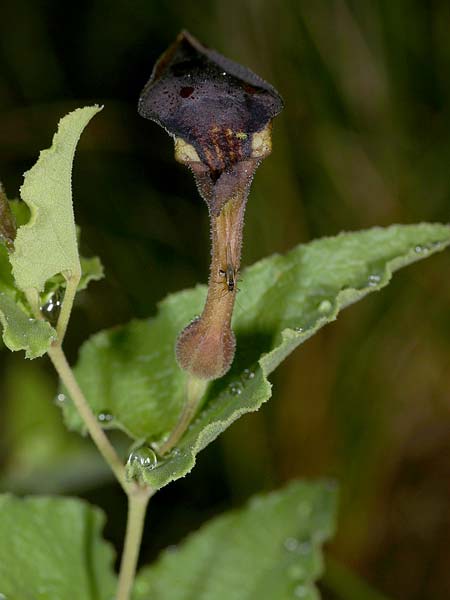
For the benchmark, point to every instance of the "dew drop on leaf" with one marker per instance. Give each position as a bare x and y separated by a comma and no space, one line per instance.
52,308
60,398
304,547
301,591
297,572
235,388
104,416
324,306
145,457
248,374
374,280
291,544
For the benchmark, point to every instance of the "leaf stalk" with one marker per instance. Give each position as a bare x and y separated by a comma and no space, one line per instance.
195,389
72,282
99,437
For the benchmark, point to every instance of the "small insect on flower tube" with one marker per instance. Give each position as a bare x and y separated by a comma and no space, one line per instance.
230,273
220,114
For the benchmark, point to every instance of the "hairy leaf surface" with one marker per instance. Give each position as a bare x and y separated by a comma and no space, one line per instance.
47,190
270,549
47,244
130,372
52,548
21,332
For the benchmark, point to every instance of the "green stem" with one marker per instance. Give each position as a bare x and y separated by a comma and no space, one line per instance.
138,496
99,437
137,506
72,282
195,389
33,300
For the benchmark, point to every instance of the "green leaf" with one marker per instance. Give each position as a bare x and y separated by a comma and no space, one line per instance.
50,548
20,211
47,244
21,332
91,270
41,455
130,372
6,278
271,549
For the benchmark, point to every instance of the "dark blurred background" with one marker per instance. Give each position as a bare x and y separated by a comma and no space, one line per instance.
364,140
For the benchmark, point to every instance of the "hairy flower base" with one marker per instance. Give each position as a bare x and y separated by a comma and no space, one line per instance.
205,350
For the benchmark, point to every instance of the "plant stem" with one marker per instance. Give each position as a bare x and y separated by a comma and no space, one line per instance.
69,295
137,506
33,300
138,496
195,388
99,437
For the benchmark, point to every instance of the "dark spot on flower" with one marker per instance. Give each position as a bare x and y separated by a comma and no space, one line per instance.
187,91
215,174
250,89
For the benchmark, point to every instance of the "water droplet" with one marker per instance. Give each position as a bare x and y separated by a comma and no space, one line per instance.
60,398
104,416
224,73
291,544
419,249
145,457
52,308
248,374
301,591
374,280
299,329
325,306
304,547
235,388
297,571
